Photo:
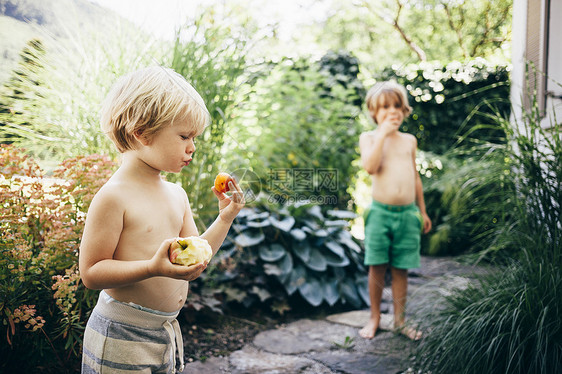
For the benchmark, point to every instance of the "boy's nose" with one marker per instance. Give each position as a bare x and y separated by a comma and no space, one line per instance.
190,146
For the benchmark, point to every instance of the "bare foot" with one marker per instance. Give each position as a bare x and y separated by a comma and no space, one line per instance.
370,329
409,332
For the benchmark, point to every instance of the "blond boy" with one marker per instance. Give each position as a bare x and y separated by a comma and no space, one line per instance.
397,214
153,117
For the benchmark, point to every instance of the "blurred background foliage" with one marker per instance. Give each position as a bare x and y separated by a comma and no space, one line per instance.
284,107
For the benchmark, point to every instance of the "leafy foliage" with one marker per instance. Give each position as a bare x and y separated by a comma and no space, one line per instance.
273,255
384,33
43,305
450,100
213,60
510,321
50,105
299,129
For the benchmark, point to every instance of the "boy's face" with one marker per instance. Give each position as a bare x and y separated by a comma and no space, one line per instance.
389,111
171,148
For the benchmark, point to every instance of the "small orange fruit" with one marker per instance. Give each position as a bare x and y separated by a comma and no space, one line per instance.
221,182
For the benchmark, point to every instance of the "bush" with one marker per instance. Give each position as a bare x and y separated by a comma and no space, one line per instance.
213,60
448,101
50,104
463,197
299,129
510,321
280,257
43,305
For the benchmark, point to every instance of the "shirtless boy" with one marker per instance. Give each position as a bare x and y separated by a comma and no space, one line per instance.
153,117
397,214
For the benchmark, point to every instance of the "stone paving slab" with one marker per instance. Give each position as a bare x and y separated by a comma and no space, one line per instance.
354,363
250,360
359,318
332,345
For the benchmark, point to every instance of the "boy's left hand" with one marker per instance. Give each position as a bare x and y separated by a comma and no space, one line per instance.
426,223
229,206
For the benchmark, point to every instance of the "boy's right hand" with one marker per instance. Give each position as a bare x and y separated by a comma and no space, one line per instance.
388,127
160,265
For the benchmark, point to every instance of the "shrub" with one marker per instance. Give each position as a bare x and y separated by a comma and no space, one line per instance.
299,128
280,257
449,100
462,198
50,105
213,60
44,306
510,321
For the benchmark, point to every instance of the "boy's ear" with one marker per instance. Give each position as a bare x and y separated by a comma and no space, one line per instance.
141,137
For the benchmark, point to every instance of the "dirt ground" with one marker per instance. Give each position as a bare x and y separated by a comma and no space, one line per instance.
206,336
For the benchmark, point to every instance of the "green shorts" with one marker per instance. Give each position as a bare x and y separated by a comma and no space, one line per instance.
392,235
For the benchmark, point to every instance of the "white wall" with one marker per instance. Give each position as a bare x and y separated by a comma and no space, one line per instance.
554,66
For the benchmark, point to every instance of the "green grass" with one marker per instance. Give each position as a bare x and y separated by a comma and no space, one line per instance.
508,321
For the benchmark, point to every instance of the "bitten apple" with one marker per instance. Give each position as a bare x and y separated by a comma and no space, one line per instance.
189,251
221,182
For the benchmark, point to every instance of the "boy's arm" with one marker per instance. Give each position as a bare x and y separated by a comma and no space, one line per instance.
98,268
371,146
420,201
229,206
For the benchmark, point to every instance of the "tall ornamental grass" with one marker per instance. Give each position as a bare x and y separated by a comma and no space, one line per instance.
509,321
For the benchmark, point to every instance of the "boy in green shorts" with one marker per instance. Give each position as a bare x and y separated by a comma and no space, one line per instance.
397,215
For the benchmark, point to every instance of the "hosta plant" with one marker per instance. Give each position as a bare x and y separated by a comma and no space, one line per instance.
293,253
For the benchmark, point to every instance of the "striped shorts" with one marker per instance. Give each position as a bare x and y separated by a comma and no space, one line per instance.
122,338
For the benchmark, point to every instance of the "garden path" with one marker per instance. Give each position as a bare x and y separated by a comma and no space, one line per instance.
332,345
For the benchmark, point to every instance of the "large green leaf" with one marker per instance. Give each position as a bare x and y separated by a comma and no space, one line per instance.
342,214
348,290
335,260
286,263
249,238
263,223
297,278
315,211
335,248
285,225
362,283
302,250
258,216
331,294
345,238
321,233
336,223
272,252
312,291
310,224
298,234
317,261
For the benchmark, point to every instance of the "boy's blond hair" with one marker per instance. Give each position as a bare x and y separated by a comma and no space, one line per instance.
382,93
146,100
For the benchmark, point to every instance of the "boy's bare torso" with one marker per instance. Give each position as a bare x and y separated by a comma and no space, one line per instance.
151,214
394,182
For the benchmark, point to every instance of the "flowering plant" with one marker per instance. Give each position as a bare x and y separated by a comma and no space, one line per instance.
43,305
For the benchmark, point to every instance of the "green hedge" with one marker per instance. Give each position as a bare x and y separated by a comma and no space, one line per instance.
450,100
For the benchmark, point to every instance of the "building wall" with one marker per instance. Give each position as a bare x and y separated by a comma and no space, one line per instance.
537,31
